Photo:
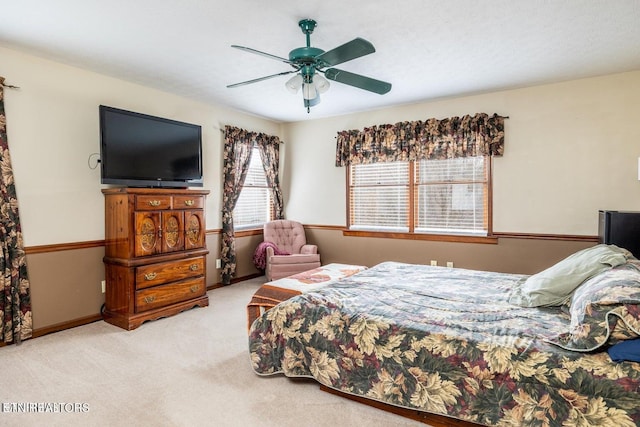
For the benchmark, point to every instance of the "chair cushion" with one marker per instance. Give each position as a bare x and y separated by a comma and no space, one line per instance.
294,258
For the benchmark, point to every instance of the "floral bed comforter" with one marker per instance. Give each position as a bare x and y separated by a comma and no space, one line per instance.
445,341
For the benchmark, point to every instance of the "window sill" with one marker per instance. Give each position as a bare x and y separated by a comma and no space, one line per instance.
248,232
429,237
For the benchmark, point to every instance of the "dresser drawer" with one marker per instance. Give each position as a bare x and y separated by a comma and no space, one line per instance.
163,272
152,203
163,295
188,202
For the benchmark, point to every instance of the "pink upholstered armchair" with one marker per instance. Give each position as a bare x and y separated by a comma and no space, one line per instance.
289,237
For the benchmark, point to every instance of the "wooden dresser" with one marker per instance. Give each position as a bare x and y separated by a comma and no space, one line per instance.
155,253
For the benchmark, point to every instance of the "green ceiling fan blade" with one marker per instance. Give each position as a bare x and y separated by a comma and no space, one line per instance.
357,80
257,52
351,50
262,78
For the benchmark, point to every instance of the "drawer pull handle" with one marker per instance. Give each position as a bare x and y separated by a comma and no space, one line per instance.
154,203
193,267
189,202
149,299
195,288
150,276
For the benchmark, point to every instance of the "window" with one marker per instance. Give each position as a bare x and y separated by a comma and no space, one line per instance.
448,196
254,206
379,197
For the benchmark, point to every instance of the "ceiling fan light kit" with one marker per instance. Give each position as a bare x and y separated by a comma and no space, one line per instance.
322,84
294,83
309,64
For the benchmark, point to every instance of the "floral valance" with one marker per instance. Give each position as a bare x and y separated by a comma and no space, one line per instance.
232,133
465,136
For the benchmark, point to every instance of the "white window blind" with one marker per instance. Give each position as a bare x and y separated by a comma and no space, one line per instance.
254,206
379,197
441,196
451,196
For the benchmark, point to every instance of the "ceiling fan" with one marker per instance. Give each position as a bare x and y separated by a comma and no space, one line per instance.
309,64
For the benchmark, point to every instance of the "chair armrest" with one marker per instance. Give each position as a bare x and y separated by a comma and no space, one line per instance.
309,249
269,252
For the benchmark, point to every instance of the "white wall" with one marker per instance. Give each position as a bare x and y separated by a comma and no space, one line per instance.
52,127
570,149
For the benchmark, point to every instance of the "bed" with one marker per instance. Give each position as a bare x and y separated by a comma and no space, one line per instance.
467,344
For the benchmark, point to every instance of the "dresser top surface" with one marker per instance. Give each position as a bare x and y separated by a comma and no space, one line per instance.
151,191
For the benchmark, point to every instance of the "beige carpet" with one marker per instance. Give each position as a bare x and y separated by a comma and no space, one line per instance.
187,370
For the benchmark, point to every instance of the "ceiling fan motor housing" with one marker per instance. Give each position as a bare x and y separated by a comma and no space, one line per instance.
305,54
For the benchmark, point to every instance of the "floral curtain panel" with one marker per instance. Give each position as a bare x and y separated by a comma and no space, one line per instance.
465,136
269,147
15,304
238,144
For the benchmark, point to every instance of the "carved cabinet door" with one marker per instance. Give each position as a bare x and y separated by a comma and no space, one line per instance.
172,231
148,231
194,230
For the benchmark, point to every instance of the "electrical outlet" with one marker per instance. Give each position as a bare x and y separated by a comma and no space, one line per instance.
434,262
218,263
450,264
104,286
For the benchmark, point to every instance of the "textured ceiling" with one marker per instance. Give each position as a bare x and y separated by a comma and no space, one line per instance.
427,49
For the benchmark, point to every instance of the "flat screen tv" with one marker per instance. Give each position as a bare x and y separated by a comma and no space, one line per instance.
138,150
